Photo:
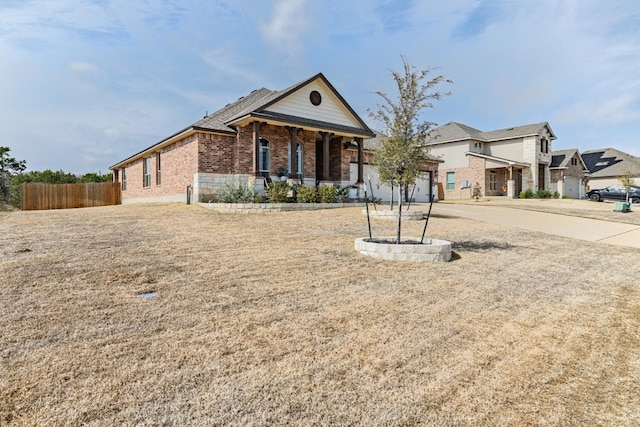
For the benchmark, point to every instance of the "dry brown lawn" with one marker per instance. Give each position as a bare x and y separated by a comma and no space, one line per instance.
276,320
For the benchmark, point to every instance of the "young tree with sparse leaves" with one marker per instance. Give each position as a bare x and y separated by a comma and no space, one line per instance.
9,167
400,154
627,181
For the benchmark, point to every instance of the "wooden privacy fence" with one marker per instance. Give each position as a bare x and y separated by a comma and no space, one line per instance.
63,196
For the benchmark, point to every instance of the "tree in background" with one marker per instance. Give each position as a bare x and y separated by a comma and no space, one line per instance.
400,154
9,167
627,181
95,177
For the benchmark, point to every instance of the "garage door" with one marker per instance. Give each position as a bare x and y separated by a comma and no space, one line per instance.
420,194
571,187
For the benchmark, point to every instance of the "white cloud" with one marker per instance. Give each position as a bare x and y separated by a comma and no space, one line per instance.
83,67
614,110
288,25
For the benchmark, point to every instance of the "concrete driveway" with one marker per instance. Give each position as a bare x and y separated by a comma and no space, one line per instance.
593,230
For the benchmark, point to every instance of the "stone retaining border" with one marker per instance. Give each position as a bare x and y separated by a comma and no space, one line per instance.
432,250
415,215
259,208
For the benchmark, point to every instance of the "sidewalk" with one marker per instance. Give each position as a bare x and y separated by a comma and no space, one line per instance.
593,230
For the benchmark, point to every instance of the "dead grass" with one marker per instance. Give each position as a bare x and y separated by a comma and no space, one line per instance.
275,319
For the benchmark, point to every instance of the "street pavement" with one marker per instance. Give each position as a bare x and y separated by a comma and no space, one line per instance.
593,230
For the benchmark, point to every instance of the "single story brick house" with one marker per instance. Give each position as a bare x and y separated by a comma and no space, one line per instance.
307,131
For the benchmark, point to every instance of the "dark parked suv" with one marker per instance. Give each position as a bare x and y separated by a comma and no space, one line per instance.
615,192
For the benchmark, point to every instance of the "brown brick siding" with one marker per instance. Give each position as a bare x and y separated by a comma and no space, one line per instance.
279,138
208,153
179,162
216,153
474,173
502,176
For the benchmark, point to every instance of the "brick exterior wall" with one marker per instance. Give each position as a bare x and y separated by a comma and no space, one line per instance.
216,153
279,138
474,173
179,163
502,176
206,161
338,164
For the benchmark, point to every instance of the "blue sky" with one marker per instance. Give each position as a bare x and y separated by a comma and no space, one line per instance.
86,83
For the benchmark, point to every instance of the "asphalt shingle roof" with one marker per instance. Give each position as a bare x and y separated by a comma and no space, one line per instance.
456,131
562,158
255,104
609,162
244,105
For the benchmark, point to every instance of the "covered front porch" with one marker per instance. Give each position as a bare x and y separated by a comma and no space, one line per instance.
305,155
503,177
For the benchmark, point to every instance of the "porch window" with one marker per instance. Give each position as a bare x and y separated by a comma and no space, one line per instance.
451,180
264,156
146,174
158,169
493,184
124,179
298,156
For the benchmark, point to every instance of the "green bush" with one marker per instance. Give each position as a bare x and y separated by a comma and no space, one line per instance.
568,197
556,195
278,191
236,192
543,194
526,194
342,194
327,193
306,194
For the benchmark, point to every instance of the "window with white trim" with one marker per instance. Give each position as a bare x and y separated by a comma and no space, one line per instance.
264,155
146,173
451,180
124,179
158,169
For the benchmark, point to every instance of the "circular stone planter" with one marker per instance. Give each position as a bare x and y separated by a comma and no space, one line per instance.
389,214
432,250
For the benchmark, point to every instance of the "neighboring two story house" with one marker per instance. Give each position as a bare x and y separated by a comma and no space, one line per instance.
504,162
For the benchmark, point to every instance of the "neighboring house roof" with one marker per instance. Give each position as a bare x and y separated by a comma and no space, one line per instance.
497,159
609,162
458,132
255,106
373,144
561,159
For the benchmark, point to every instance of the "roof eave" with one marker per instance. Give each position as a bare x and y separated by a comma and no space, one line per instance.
498,159
168,141
303,123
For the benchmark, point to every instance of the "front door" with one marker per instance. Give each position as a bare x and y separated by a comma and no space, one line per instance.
541,177
518,182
